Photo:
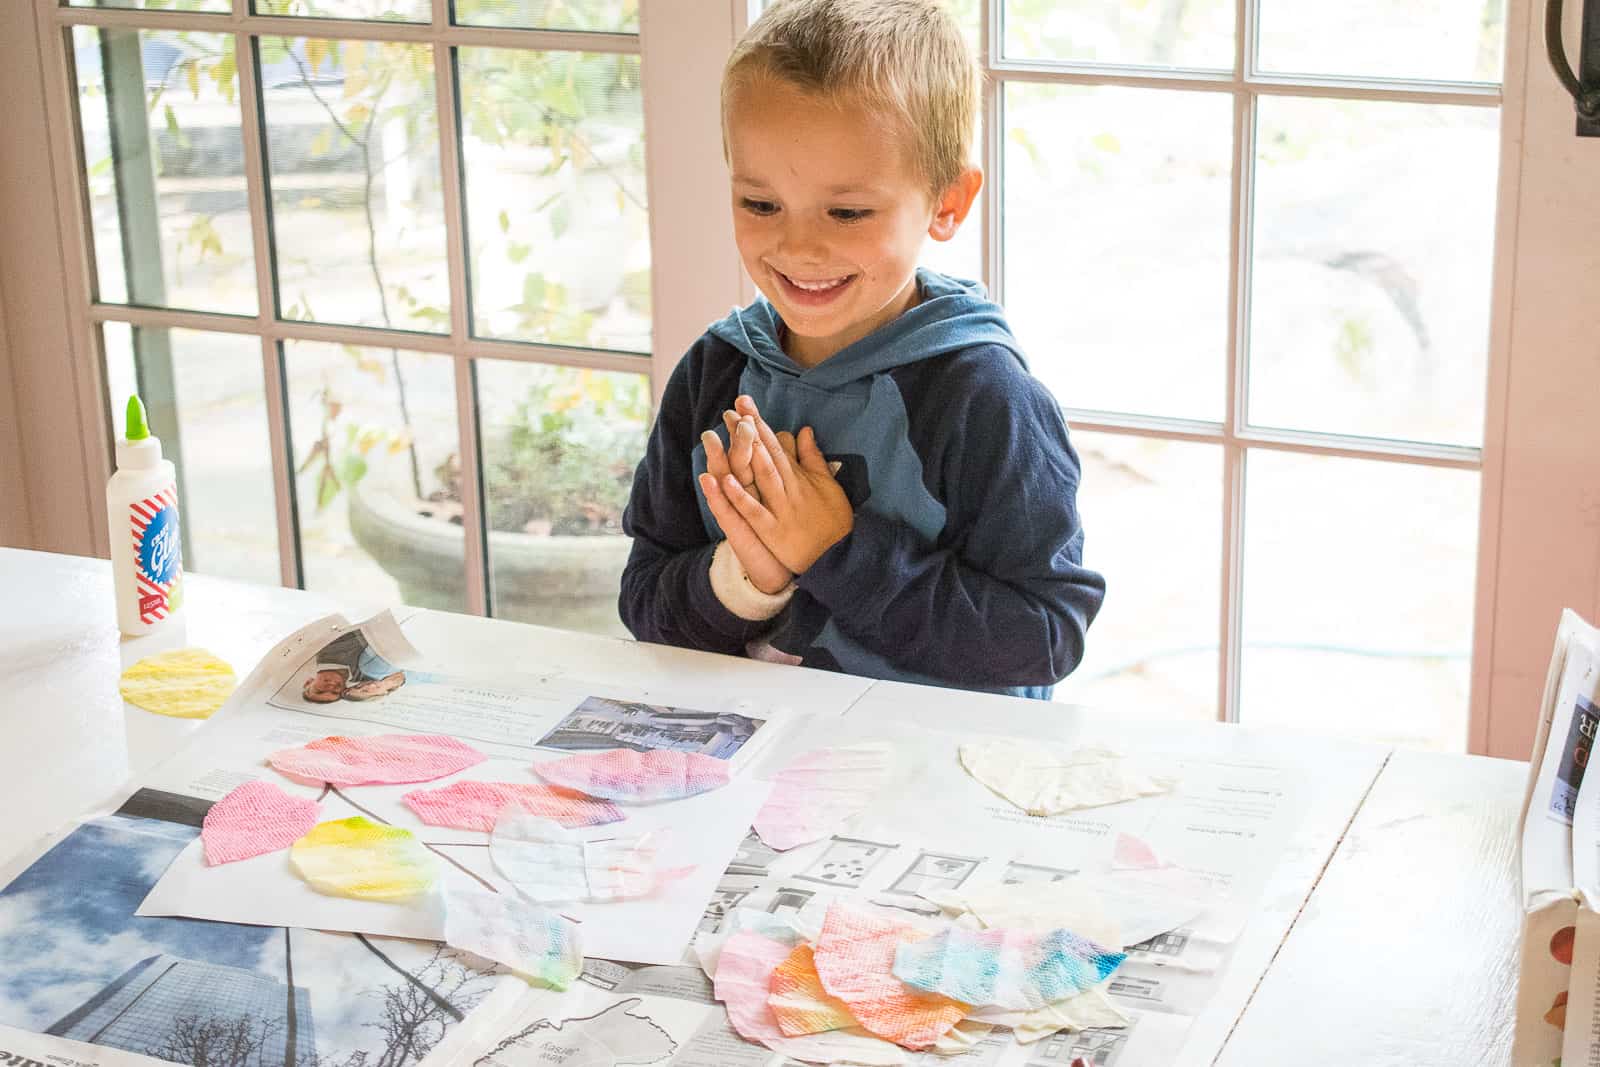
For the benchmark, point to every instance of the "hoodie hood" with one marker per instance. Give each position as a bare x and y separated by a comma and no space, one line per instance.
954,314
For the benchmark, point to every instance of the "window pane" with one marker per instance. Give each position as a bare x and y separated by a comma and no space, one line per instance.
1152,519
1358,588
388,10
1116,244
614,16
1373,248
205,399
555,190
161,141
1432,40
158,5
353,150
1156,33
377,474
559,449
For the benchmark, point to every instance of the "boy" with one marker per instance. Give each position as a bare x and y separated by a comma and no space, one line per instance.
938,541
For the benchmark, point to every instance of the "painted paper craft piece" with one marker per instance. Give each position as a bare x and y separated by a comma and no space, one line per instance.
255,819
537,943
817,794
382,759
1133,854
637,777
1017,969
1089,1010
1072,904
855,960
1046,781
470,805
743,976
799,1002
550,864
962,1038
359,858
186,683
784,928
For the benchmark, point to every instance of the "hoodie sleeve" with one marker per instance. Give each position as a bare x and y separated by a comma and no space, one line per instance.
1003,599
667,595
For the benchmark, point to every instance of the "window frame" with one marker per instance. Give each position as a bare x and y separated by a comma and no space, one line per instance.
1234,434
695,37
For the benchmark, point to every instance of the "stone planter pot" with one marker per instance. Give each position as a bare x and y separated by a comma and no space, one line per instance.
570,582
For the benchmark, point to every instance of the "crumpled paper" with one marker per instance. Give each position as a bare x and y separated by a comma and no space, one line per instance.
817,794
855,960
381,759
1017,969
359,858
537,943
744,973
1089,1010
1042,780
1152,902
185,683
798,1001
472,805
636,777
549,864
255,819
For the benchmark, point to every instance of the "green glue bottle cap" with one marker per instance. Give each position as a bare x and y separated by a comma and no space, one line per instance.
137,429
138,450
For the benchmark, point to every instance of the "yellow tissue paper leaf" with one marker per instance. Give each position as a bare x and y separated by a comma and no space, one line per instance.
359,858
186,683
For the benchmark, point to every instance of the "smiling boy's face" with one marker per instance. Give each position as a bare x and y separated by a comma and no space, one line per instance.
829,213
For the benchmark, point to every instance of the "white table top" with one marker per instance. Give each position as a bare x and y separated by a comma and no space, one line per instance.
1354,954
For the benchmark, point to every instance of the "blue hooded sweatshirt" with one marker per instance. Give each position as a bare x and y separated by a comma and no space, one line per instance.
964,567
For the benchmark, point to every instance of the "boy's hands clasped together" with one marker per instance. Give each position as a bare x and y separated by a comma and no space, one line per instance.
774,495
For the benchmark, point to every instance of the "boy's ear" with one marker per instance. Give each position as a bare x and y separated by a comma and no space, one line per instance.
951,210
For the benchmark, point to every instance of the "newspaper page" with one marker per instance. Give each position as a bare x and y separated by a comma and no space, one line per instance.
1558,828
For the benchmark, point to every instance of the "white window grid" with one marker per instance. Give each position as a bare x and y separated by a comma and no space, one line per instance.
1234,434
273,329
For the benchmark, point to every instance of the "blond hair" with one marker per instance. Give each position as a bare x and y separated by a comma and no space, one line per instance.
906,55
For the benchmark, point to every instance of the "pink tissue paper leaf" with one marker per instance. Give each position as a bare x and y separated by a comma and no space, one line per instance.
819,792
744,974
382,759
855,957
637,777
1133,854
255,819
474,805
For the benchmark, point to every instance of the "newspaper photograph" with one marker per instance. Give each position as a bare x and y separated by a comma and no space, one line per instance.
81,967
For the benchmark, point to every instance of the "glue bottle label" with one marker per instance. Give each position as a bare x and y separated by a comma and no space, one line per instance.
157,554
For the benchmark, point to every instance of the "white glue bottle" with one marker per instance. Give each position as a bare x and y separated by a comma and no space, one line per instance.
146,546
